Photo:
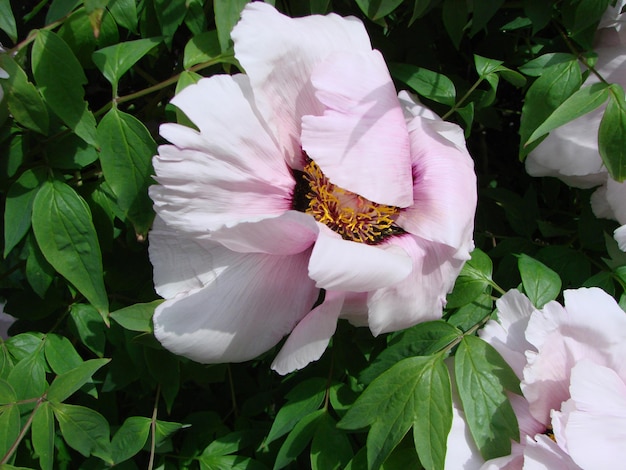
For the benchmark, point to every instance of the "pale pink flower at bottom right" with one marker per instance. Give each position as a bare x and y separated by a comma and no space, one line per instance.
570,360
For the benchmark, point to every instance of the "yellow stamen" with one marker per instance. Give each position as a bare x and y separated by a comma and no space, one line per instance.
350,215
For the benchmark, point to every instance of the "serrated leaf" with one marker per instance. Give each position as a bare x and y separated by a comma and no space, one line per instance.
67,238
612,134
114,61
84,430
397,400
24,100
330,447
429,84
130,438
541,284
60,78
298,438
19,207
582,102
305,398
126,158
136,317
42,435
482,376
66,384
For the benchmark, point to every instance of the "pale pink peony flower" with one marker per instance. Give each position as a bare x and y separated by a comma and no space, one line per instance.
572,413
570,152
309,192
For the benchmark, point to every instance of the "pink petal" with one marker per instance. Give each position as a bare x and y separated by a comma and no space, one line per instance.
249,305
420,296
596,429
360,142
309,339
444,186
338,264
179,261
507,334
287,234
279,54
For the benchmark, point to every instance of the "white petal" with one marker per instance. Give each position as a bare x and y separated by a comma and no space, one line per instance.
279,54
360,142
338,264
616,197
422,295
620,237
544,454
251,304
309,339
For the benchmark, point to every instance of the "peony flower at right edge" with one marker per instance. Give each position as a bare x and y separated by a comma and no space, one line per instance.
570,359
570,152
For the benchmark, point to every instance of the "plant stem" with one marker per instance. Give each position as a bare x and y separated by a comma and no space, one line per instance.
153,428
23,431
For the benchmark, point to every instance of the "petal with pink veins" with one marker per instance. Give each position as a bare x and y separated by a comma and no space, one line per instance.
279,55
361,141
338,264
220,322
309,339
422,295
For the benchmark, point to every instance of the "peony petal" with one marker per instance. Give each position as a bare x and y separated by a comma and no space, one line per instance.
620,237
279,54
507,334
338,264
616,197
253,301
420,296
599,203
596,430
444,186
287,234
542,453
180,261
361,141
309,339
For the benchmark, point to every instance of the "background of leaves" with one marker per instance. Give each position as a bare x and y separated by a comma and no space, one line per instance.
84,384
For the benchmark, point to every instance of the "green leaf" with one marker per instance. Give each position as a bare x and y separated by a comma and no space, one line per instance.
164,429
125,13
400,398
233,442
429,84
482,376
64,385
60,78
378,9
612,134
582,102
137,317
538,66
330,447
24,101
130,438
164,367
227,14
419,9
89,327
170,16
84,430
60,354
422,339
39,273
298,438
126,156
541,284
9,427
474,279
201,48
472,313
455,15
28,377
59,8
229,462
7,20
484,10
7,394
305,398
114,61
19,207
539,12
546,94
580,14
65,233
42,434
